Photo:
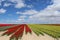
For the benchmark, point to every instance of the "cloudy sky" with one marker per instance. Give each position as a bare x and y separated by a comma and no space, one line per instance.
30,11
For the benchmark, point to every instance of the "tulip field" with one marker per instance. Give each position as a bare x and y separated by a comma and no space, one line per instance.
17,30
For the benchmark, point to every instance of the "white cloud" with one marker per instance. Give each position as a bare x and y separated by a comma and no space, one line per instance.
28,12
18,12
1,1
22,17
19,3
51,14
29,6
2,10
7,4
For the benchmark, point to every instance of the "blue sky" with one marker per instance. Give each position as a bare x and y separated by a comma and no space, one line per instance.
29,11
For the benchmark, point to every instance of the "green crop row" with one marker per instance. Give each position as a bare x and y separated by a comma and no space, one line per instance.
53,31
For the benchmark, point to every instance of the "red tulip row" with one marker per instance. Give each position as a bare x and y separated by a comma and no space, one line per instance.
3,25
16,30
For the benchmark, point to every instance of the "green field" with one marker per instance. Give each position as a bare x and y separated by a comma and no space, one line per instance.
51,30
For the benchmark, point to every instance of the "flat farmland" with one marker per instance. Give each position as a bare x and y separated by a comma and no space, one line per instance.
52,30
34,31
